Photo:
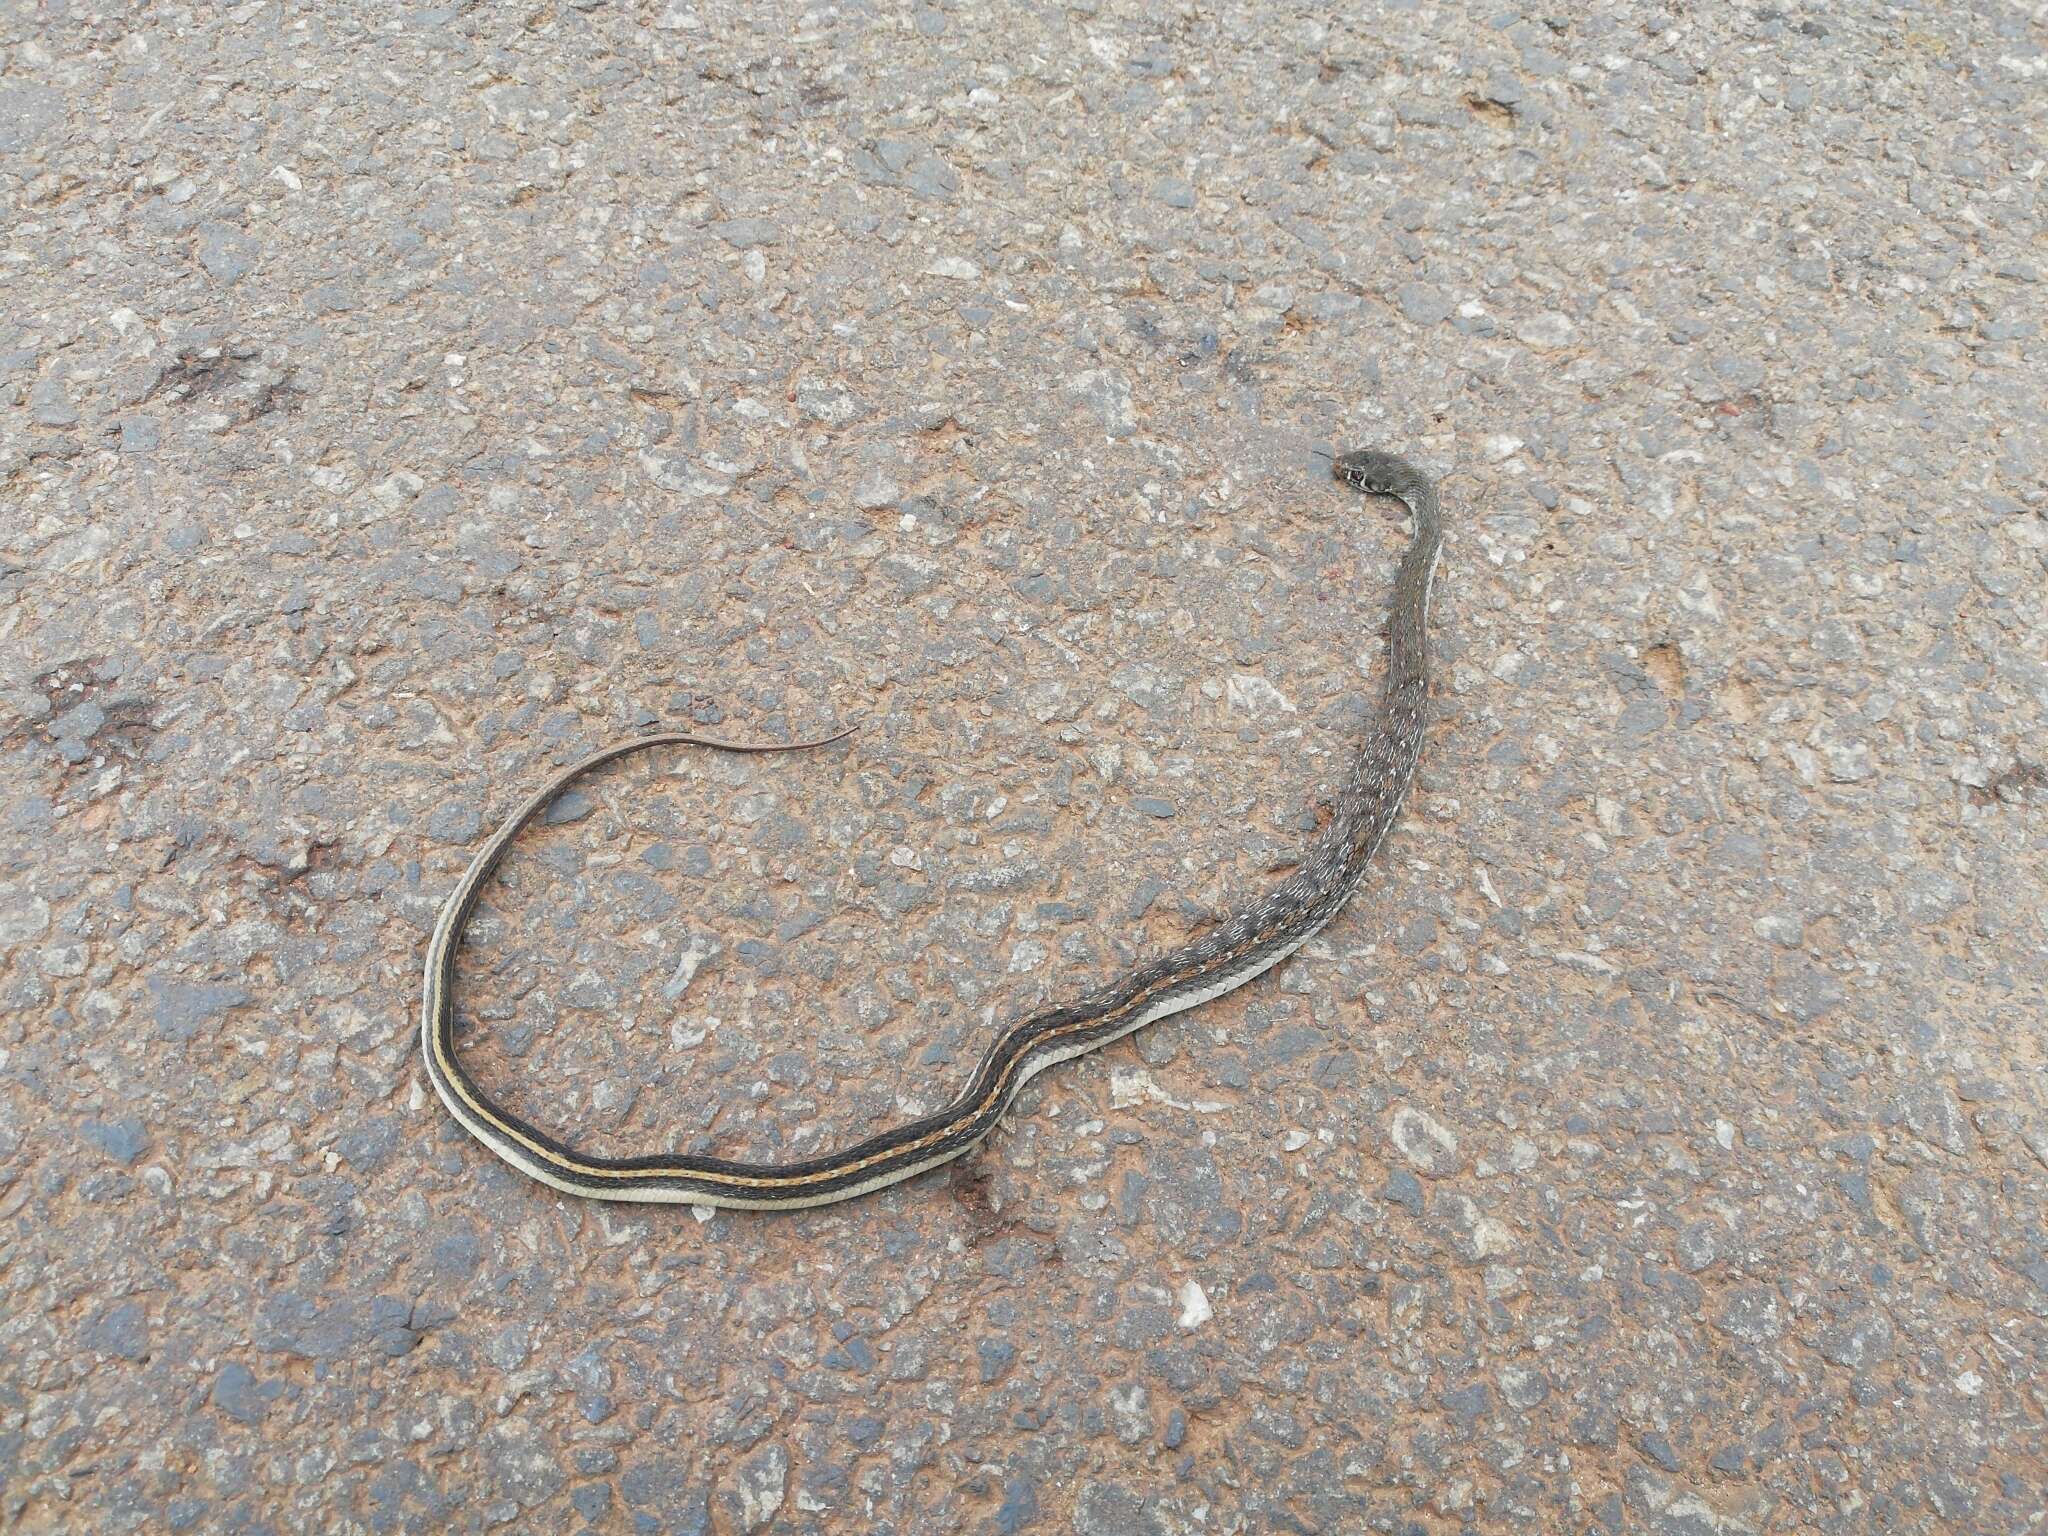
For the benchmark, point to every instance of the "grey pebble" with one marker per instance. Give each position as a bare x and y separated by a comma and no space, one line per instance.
1658,1449
1467,1404
1106,392
1019,1508
454,821
508,1348
237,1393
28,111
754,1493
1422,304
367,1144
181,1009
1752,1314
995,1355
1865,1341
747,234
1416,934
124,1140
832,404
1523,1387
520,1464
1428,1144
227,253
660,1482
1109,1509
48,405
23,915
929,176
1698,1245
572,805
123,1330
876,490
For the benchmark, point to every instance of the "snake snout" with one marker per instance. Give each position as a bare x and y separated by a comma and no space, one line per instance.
1368,469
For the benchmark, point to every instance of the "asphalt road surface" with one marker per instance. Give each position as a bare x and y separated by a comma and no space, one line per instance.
400,402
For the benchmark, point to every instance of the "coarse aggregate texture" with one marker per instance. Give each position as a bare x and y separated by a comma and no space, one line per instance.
396,402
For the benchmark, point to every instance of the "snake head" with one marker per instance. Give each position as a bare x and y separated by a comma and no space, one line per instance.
1368,469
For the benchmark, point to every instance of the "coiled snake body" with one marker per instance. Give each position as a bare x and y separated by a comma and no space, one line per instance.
1254,938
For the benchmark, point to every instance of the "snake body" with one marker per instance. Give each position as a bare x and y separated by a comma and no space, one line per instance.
1252,939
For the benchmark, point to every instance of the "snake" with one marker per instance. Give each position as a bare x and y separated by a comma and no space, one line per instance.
1250,940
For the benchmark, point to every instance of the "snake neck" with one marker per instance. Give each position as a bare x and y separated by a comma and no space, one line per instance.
1379,782
1408,612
